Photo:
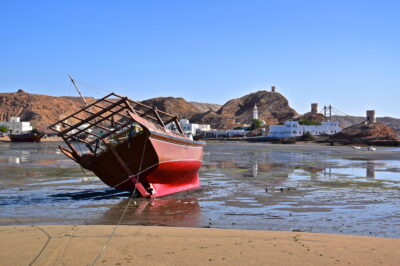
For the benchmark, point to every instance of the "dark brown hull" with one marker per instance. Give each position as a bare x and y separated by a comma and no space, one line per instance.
27,137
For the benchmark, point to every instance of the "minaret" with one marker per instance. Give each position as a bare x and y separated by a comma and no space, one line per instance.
255,112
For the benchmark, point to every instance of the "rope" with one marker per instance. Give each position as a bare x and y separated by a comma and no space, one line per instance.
94,88
126,207
113,231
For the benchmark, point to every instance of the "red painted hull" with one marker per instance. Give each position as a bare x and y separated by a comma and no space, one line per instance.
177,168
171,177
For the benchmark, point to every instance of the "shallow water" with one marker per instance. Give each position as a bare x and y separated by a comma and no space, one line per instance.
247,186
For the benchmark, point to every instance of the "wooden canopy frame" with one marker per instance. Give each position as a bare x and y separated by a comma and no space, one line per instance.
109,109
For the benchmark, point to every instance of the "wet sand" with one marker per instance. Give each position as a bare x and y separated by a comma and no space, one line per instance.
91,245
302,187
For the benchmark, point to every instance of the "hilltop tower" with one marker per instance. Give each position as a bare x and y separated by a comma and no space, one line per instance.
314,108
255,112
371,116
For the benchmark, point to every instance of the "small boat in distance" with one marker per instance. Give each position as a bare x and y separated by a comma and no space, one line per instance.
31,136
130,146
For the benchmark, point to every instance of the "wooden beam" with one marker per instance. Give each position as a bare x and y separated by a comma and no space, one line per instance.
94,125
115,130
130,107
71,147
171,120
93,116
119,159
103,117
178,125
77,112
158,117
98,121
138,185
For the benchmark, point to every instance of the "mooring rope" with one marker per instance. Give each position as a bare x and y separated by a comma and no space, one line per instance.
126,207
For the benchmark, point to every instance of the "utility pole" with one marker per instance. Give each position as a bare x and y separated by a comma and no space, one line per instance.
330,112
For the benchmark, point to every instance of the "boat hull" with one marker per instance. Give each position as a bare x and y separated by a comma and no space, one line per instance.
27,137
161,163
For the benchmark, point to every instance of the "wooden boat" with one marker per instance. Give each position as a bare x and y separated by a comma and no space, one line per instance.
130,147
31,136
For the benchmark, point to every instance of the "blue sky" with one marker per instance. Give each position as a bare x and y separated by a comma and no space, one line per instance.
344,53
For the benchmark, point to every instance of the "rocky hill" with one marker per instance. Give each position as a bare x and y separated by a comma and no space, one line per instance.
205,107
367,133
347,121
176,106
272,107
317,117
40,110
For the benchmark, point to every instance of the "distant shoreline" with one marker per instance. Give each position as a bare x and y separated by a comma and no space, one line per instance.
49,139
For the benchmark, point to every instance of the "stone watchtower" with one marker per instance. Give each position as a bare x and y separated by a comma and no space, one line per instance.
371,118
273,89
314,108
255,112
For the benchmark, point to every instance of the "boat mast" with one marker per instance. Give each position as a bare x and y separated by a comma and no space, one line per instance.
76,87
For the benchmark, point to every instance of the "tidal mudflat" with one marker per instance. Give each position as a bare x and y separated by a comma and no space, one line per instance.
309,188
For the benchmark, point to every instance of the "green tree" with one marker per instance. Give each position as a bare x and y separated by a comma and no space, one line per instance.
307,136
3,129
309,122
257,123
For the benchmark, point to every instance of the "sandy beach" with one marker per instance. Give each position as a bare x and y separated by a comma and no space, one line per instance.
90,245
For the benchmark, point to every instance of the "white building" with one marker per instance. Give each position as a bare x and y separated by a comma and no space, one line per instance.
14,125
190,128
294,129
224,133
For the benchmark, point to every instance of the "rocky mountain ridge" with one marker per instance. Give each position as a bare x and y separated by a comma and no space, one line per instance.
273,108
43,110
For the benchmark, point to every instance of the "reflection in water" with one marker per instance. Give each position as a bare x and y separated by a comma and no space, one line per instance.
166,212
370,170
254,169
14,156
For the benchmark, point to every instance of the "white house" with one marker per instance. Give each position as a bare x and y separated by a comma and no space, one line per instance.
224,133
190,128
14,125
294,129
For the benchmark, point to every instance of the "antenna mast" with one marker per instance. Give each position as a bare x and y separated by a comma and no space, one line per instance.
76,87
